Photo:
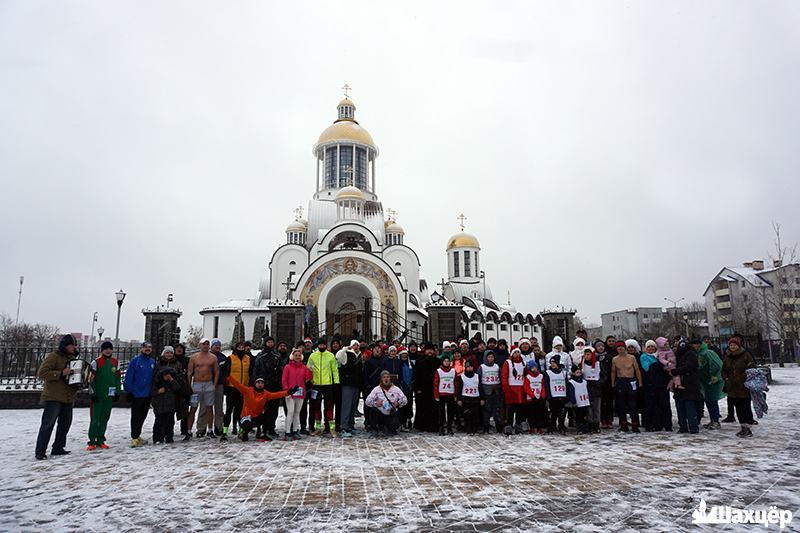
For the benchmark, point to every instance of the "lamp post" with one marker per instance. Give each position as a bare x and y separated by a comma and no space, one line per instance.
100,331
120,297
482,275
686,321
94,321
675,309
19,298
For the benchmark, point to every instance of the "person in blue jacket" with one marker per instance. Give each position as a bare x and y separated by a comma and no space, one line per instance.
138,385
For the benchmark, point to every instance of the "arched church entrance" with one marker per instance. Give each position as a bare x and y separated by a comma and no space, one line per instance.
347,310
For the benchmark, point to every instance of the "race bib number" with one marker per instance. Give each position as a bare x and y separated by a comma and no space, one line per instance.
491,380
112,391
557,387
299,393
583,398
470,391
633,385
446,386
314,394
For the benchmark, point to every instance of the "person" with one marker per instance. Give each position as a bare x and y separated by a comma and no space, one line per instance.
393,364
295,375
183,396
657,412
269,365
564,358
667,359
512,379
444,385
711,382
202,375
577,354
57,396
604,358
336,345
351,379
536,398
626,379
104,384
223,364
387,399
526,350
372,378
688,395
592,370
325,374
427,417
501,354
406,380
539,357
166,387
611,345
491,391
240,364
556,390
413,353
255,398
307,411
734,372
708,341
138,384
447,349
579,395
468,398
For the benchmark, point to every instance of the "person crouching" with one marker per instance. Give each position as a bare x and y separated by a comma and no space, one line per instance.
387,399
254,400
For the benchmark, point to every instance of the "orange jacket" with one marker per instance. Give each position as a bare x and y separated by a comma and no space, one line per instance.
254,401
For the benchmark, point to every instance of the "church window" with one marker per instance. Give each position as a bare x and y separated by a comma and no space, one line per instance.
515,327
345,161
397,264
467,265
330,167
503,327
489,327
456,266
473,327
361,168
216,326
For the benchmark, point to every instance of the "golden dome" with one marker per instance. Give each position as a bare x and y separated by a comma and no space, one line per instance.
463,240
394,227
350,193
297,225
346,101
346,130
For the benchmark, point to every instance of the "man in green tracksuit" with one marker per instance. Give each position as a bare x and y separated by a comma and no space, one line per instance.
104,379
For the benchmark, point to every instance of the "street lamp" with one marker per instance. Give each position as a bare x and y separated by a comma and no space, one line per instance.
675,309
100,331
94,321
120,297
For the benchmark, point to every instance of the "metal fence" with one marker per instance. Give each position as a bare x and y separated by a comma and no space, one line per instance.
19,363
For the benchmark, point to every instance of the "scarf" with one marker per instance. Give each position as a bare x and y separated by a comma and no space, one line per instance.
646,360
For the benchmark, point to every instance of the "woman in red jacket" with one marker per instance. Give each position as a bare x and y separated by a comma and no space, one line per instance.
513,380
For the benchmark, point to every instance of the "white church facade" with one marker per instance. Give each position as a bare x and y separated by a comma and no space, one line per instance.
349,267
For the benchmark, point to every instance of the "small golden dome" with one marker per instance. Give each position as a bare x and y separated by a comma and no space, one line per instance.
346,130
463,240
350,193
297,225
394,227
346,101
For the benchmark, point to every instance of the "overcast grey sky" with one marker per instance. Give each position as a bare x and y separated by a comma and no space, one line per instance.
606,154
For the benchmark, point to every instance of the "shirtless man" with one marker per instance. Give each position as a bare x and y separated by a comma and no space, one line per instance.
203,373
625,379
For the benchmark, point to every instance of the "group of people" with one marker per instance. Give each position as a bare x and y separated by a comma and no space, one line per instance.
471,386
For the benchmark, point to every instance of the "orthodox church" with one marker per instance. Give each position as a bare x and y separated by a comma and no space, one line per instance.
350,269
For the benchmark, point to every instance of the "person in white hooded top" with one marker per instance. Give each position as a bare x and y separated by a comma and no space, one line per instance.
564,357
577,354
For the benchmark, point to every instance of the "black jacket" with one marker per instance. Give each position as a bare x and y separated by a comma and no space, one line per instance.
269,366
351,373
165,402
424,372
687,368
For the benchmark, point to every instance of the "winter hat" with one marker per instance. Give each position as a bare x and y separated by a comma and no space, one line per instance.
524,340
167,349
215,342
445,345
557,340
259,379
650,343
735,340
632,342
619,344
66,340
204,340
574,369
354,343
590,350
385,373
515,349
578,340
106,346
463,341
555,358
146,344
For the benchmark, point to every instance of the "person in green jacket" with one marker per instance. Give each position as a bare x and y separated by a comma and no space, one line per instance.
325,374
104,383
711,382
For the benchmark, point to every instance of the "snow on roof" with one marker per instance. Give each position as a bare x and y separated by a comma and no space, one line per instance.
752,275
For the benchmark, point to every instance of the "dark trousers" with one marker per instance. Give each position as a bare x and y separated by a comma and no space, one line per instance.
557,414
271,412
742,407
233,407
139,409
248,424
687,415
537,414
389,423
306,415
54,412
324,394
626,401
491,410
406,412
337,407
471,413
446,408
607,404
582,419
164,427
657,410
516,413
427,412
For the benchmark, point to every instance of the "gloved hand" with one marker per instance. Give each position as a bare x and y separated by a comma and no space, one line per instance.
292,390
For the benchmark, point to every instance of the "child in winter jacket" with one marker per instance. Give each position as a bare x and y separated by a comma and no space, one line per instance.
536,396
444,386
491,391
668,360
468,397
513,380
556,388
295,374
579,394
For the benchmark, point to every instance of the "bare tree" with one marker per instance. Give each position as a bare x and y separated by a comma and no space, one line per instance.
193,337
779,311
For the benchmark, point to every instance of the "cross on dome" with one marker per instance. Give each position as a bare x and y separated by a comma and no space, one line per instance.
461,218
346,90
392,214
298,213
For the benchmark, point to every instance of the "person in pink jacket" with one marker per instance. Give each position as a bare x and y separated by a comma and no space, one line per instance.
295,373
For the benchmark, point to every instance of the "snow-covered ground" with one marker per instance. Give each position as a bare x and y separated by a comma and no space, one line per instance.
415,482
